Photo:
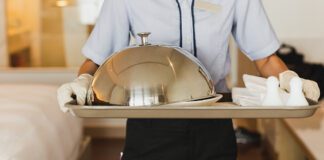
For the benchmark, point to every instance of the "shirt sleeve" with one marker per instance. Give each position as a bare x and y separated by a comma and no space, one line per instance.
252,30
111,32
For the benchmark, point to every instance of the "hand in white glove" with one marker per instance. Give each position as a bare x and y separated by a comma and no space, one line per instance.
79,87
310,88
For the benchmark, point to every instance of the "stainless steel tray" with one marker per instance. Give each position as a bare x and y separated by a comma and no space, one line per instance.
218,110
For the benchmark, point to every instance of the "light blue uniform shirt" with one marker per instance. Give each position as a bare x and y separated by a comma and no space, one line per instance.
201,31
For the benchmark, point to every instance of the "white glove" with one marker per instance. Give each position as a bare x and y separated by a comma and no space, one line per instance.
79,87
310,88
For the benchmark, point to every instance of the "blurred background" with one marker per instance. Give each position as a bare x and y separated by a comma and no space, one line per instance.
49,35
45,33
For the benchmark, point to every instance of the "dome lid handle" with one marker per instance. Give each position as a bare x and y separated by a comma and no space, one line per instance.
144,38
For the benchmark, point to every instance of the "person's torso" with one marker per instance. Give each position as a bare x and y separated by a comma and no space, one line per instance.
166,19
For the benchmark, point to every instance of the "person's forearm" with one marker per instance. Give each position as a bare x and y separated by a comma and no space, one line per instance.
89,67
270,66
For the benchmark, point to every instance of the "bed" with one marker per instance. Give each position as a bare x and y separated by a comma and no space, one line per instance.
31,124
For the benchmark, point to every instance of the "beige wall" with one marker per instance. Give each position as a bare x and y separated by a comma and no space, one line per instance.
63,36
3,43
35,26
52,46
300,23
75,35
54,35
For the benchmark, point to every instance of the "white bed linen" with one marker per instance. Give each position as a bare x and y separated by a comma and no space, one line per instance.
32,127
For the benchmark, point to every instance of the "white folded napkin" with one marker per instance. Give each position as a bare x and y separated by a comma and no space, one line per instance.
254,92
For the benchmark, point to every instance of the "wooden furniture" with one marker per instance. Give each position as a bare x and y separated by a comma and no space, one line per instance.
308,133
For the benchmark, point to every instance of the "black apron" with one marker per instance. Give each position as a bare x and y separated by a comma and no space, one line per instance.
180,139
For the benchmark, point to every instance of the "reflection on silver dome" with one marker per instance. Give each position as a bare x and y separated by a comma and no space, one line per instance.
150,75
